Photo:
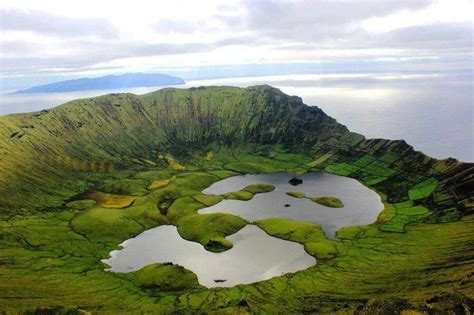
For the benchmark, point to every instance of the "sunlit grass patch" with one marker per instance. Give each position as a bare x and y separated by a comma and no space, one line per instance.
297,170
208,200
106,200
239,195
401,214
259,188
309,234
322,159
328,201
249,192
159,183
173,163
351,232
296,194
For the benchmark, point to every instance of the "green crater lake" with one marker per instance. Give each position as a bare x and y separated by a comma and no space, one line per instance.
255,256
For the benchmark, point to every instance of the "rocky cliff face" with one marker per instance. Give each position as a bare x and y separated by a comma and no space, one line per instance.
117,130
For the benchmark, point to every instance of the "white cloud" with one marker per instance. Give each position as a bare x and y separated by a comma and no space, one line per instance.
441,11
96,37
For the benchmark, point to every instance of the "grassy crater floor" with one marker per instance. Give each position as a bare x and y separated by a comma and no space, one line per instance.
79,179
51,260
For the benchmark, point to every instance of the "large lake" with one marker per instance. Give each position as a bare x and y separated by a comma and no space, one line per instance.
361,205
255,256
432,112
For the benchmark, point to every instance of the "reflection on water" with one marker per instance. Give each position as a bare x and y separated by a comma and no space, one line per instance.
361,205
432,112
255,256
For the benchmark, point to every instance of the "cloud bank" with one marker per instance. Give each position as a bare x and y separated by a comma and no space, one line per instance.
52,38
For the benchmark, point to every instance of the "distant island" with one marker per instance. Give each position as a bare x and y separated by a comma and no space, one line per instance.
127,80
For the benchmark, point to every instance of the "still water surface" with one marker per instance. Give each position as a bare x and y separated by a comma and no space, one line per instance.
255,256
434,113
361,205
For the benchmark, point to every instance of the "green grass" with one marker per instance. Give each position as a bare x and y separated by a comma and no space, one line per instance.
371,170
308,234
249,192
210,229
222,173
113,225
81,204
343,169
423,189
50,247
296,194
351,232
380,263
321,160
134,187
159,183
165,278
292,157
208,200
239,195
182,207
106,200
249,168
401,214
328,201
259,188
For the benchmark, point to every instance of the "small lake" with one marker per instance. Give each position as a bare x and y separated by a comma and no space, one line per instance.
256,256
361,204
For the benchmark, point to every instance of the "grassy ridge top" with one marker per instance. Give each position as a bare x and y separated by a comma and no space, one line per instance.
49,156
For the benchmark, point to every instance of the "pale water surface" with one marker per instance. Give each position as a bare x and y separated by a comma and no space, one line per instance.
255,256
361,205
432,112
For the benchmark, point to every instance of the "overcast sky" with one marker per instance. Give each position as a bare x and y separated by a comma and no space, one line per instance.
47,39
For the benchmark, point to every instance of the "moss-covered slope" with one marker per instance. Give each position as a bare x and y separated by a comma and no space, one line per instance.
99,135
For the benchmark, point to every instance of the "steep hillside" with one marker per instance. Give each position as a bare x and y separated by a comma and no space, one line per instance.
113,130
85,139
